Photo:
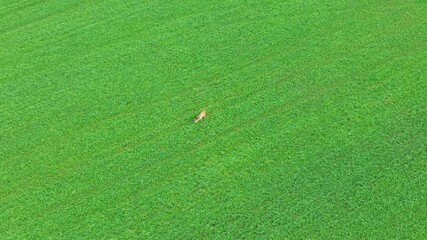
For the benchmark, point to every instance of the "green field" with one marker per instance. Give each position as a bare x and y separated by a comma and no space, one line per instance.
316,122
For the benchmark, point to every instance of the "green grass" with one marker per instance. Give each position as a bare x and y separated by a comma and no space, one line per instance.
316,121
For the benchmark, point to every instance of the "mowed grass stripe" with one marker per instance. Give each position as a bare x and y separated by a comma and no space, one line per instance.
148,29
13,6
18,19
112,46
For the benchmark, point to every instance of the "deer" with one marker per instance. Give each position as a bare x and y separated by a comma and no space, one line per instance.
200,116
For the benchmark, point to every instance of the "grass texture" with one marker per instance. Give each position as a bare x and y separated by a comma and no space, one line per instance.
316,121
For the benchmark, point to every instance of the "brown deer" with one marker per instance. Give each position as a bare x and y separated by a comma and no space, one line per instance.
200,116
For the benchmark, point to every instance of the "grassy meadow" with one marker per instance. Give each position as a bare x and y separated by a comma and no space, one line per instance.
316,122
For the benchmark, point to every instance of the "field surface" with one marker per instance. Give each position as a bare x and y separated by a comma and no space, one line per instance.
316,121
